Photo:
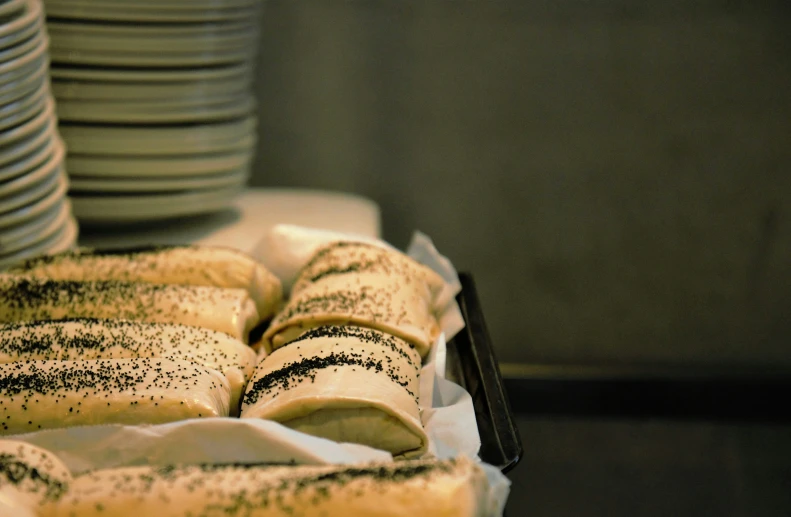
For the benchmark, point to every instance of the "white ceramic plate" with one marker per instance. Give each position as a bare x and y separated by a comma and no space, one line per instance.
161,4
188,102
154,31
30,160
32,55
68,239
82,39
140,167
66,56
154,112
141,208
83,184
15,187
10,237
21,150
174,149
26,213
32,194
29,27
23,109
25,47
154,141
23,69
121,75
63,239
10,8
33,232
32,12
33,78
135,13
28,128
68,90
18,105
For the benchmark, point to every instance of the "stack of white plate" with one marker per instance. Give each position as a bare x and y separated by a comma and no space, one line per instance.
35,215
155,103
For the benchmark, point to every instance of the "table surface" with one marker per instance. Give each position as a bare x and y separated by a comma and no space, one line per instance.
243,224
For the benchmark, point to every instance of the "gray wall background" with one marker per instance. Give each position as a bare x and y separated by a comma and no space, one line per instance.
614,172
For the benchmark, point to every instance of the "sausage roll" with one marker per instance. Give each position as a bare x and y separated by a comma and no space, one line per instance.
49,394
225,310
347,384
29,478
85,339
360,284
439,488
182,265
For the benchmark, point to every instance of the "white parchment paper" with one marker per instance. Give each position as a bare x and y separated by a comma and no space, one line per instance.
446,408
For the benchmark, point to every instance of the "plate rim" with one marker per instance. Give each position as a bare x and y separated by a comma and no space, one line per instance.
93,184
35,208
94,209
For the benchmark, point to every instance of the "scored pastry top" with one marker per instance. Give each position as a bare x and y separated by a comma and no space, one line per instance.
344,258
346,384
365,285
363,335
330,347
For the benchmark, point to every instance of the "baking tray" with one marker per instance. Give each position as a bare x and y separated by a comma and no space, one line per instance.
471,363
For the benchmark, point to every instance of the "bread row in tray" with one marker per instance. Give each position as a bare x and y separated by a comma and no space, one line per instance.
163,334
35,483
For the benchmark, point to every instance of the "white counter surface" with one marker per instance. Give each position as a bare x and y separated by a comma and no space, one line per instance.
252,214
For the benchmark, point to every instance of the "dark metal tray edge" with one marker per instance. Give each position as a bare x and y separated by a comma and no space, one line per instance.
471,362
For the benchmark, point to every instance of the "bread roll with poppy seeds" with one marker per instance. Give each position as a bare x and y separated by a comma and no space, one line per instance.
85,339
29,478
352,283
225,310
209,266
347,384
446,488
38,395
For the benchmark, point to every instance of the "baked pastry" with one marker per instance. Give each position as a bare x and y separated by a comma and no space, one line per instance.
437,488
48,394
29,478
13,504
86,339
361,284
225,310
347,384
183,265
